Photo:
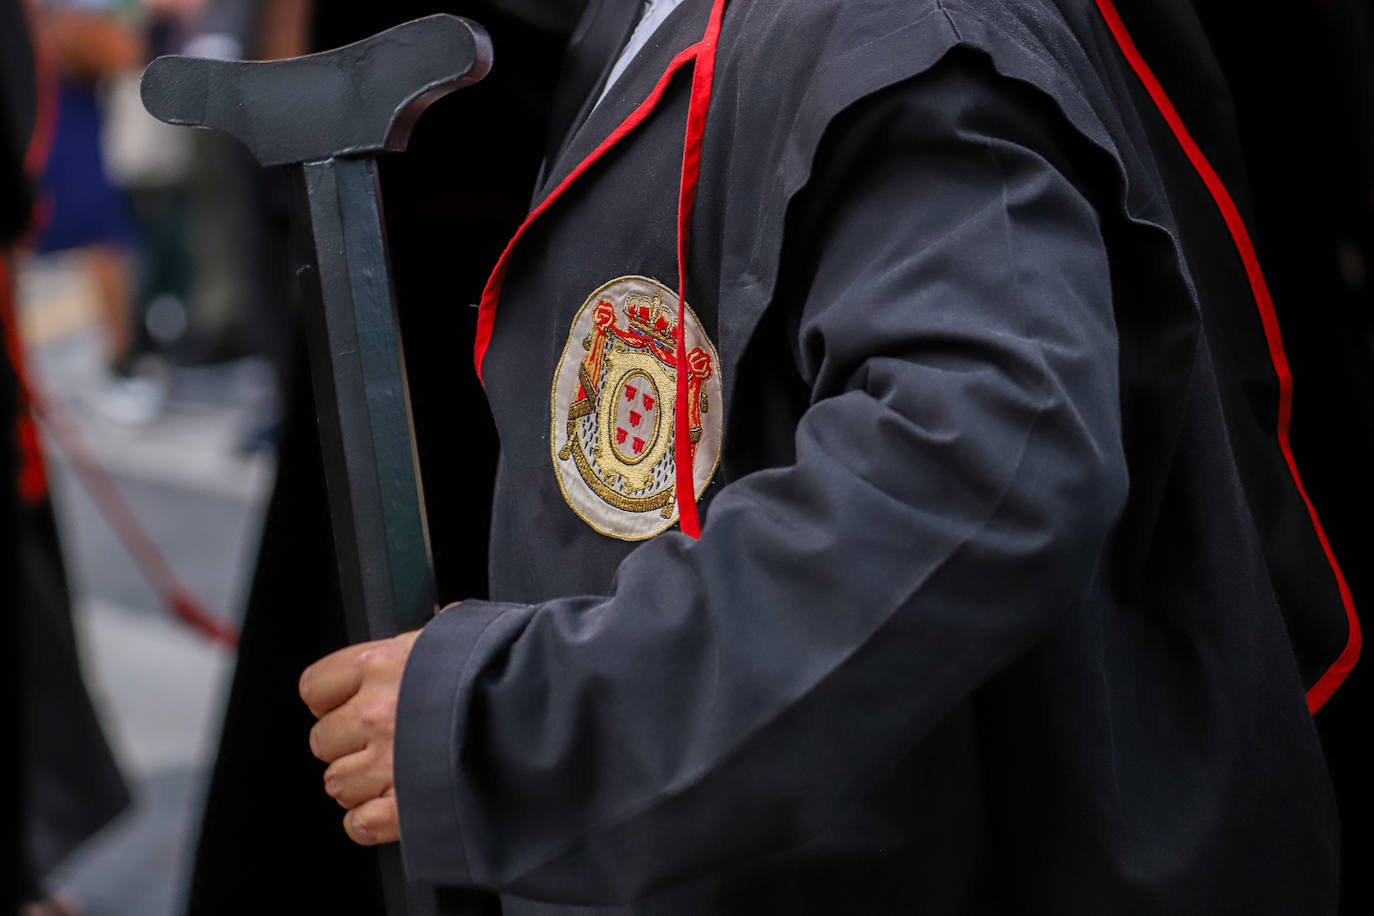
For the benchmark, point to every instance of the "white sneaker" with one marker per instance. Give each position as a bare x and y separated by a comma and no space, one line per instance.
134,400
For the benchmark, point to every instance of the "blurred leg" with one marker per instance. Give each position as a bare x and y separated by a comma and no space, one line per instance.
111,273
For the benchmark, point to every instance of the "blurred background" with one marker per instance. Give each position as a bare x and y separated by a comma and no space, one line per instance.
150,327
153,340
175,570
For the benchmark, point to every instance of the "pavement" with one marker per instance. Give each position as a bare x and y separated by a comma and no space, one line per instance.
158,686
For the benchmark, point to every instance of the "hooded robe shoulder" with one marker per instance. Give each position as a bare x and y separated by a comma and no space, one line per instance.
1006,596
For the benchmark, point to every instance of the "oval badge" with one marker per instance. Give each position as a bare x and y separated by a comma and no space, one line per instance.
613,404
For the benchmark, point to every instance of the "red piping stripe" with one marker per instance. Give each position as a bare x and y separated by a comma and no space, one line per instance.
703,75
491,294
1326,685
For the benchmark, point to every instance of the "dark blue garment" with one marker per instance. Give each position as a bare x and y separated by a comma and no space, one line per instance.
83,207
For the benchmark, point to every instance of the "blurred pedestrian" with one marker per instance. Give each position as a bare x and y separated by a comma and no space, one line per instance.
84,212
148,162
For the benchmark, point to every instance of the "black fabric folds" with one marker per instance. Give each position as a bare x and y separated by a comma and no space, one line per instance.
985,616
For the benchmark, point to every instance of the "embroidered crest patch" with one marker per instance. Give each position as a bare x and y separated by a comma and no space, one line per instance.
613,403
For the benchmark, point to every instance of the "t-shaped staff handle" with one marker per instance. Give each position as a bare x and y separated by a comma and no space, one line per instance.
326,117
356,101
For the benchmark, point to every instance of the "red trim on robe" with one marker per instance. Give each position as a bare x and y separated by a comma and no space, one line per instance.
1333,677
702,56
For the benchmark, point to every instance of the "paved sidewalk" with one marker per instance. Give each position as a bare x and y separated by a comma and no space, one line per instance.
160,691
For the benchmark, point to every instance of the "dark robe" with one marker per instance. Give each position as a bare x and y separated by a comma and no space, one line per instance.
65,785
1006,598
12,870
1169,37
18,104
1307,132
12,892
15,205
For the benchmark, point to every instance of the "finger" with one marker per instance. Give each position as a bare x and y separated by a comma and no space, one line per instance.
333,679
340,732
373,822
359,777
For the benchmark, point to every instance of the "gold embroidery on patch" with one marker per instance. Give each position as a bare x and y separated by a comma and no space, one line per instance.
613,409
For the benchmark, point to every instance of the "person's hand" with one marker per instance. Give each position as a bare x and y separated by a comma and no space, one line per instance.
353,693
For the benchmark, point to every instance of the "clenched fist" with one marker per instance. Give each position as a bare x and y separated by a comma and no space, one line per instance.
353,693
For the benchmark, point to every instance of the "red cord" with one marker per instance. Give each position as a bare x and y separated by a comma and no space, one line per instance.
703,75
148,556
174,594
1326,685
491,295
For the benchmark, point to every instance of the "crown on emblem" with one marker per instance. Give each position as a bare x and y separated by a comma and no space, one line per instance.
650,317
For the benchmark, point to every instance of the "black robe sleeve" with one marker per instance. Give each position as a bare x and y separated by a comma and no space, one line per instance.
956,475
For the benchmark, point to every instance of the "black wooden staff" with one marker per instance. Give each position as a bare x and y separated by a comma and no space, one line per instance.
326,118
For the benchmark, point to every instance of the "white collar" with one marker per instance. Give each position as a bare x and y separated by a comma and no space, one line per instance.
655,12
